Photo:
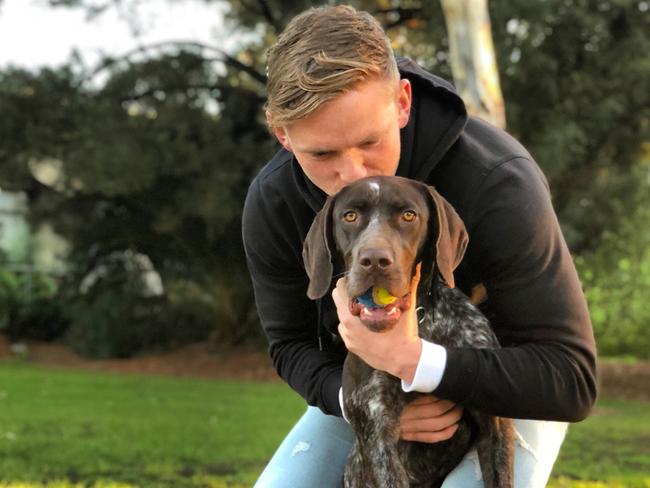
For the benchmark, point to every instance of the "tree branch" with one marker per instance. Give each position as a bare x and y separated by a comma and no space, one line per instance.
404,15
268,15
224,57
222,87
265,11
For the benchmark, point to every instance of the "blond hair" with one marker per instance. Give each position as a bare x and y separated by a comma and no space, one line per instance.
322,53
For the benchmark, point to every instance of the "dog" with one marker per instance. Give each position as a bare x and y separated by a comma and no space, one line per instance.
378,230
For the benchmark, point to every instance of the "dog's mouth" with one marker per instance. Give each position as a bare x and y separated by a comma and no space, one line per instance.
378,309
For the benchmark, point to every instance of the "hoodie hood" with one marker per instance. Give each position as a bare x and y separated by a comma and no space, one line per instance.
438,117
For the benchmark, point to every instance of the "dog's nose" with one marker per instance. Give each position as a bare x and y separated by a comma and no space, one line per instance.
375,258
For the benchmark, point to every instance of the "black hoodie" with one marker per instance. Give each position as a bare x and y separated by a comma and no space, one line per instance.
546,368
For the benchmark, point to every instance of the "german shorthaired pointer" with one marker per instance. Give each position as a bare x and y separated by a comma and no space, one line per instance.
381,228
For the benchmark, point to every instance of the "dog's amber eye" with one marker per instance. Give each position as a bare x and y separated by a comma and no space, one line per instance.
409,216
350,216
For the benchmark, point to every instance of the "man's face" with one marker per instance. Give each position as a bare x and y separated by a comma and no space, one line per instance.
352,136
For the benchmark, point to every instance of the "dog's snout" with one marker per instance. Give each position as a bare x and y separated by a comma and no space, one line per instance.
371,258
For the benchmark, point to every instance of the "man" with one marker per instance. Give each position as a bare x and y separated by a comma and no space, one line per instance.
343,109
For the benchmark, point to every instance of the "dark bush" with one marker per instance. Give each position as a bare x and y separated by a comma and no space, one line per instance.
112,324
30,307
117,312
616,278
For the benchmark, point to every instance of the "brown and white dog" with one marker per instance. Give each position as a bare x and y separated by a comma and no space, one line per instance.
382,228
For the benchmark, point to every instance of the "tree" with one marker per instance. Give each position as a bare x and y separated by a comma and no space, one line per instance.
472,59
145,167
156,160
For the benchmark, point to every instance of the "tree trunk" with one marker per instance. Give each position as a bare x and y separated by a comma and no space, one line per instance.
473,61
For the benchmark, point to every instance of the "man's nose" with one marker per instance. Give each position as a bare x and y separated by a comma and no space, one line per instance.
352,166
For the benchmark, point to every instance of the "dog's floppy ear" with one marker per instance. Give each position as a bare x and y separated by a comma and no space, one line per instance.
317,252
452,239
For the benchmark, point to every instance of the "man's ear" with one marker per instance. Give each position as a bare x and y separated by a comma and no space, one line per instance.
404,98
279,132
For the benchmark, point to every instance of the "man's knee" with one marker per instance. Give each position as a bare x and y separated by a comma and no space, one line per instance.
537,445
315,451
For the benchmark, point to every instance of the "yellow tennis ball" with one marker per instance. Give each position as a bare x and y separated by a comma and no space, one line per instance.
381,296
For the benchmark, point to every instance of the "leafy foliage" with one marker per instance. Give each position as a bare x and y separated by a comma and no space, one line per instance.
157,162
155,149
616,278
29,308
575,79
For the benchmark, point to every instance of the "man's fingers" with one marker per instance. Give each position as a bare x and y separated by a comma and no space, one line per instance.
336,296
427,410
339,294
418,268
416,279
432,424
429,419
424,400
430,437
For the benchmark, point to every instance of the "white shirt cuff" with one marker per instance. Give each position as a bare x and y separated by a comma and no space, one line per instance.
341,404
430,369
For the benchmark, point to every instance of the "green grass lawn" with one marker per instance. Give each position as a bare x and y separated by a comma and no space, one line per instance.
137,430
612,444
65,429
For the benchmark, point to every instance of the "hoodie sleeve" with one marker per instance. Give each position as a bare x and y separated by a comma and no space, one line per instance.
546,368
288,317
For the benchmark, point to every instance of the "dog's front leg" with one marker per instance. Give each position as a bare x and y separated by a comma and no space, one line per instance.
373,410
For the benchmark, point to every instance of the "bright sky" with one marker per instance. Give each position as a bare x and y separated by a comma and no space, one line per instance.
33,34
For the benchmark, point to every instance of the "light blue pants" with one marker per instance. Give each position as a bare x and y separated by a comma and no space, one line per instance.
315,451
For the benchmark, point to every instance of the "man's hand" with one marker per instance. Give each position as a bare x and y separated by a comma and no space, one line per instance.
429,419
395,351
